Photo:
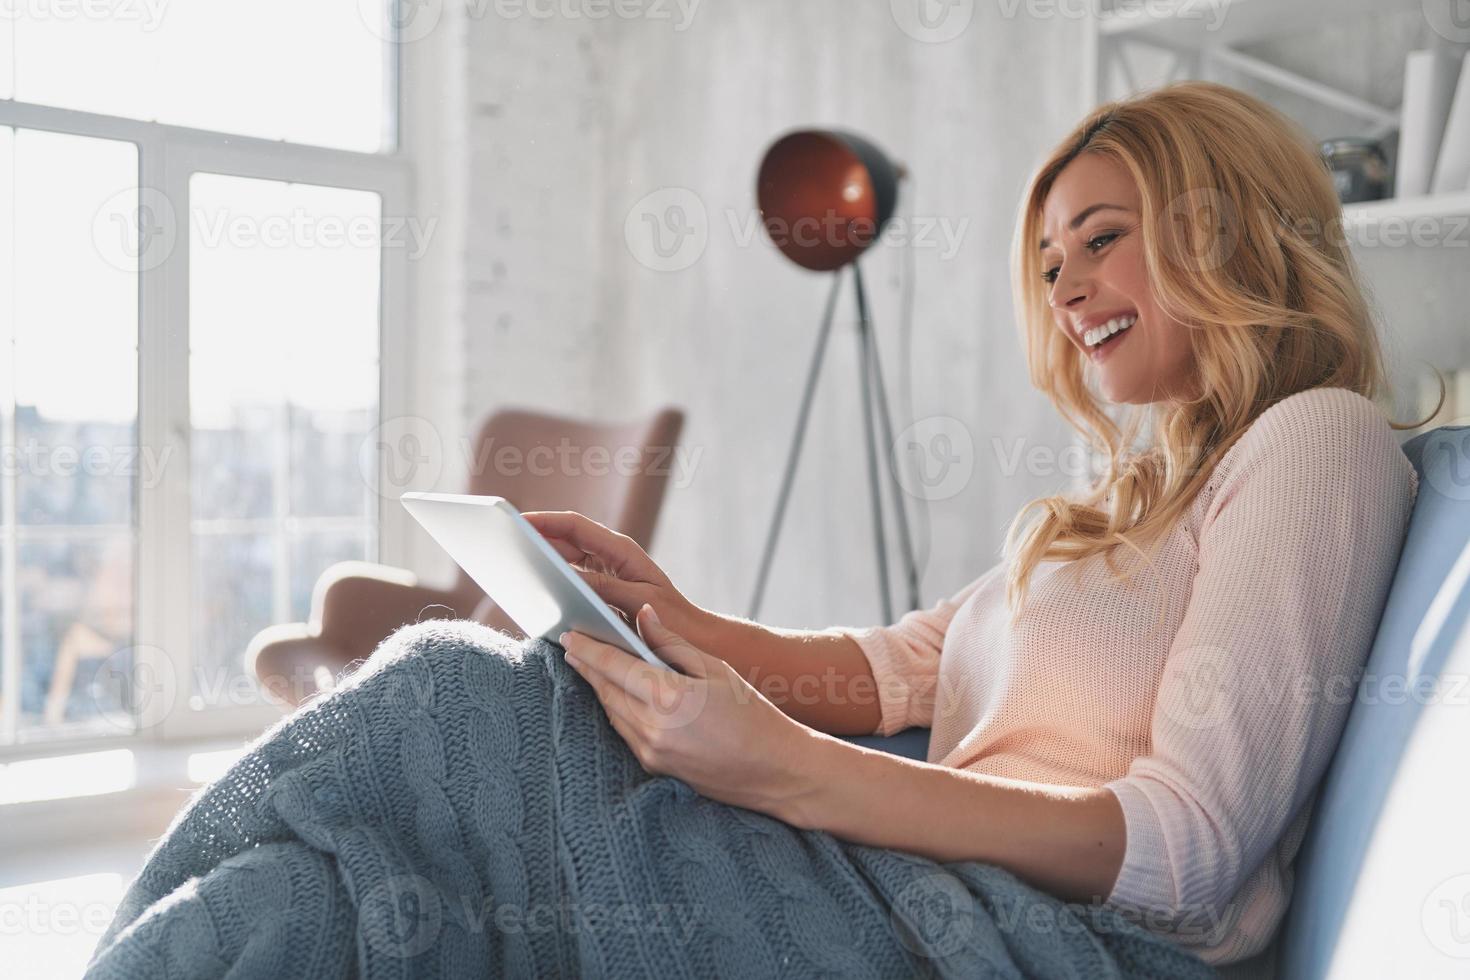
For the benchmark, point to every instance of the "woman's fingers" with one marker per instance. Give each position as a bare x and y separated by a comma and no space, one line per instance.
614,704
644,696
624,596
572,554
613,565
607,664
575,529
619,551
623,709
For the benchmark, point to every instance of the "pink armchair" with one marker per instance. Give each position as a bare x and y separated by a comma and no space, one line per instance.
355,605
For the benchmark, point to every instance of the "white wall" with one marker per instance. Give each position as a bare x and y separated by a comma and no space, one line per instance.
571,122
434,127
573,127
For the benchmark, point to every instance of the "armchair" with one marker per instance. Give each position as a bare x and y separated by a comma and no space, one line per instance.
355,605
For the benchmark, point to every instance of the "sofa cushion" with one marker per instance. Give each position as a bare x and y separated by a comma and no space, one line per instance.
1382,885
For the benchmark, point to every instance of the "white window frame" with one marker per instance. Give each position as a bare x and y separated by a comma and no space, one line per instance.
168,156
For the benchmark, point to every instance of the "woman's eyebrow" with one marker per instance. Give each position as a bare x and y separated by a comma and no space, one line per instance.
1077,221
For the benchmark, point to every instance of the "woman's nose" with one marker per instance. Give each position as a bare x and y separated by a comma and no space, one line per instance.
1069,291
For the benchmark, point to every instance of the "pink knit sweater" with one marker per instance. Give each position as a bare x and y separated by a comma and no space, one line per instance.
1213,729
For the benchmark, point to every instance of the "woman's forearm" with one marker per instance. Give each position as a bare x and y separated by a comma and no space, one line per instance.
1067,840
823,681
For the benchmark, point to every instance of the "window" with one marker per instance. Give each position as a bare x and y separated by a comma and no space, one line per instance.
283,375
201,291
310,73
69,413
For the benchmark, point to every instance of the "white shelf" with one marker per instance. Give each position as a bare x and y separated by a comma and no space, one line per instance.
1197,23
1411,250
1371,216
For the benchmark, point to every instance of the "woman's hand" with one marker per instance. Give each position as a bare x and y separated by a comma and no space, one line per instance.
614,565
706,725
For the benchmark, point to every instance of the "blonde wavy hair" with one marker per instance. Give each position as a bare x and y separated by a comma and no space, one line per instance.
1242,232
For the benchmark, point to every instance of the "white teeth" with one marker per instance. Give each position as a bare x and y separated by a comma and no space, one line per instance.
1097,335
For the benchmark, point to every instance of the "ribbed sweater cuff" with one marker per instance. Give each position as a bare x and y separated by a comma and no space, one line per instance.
894,693
1146,880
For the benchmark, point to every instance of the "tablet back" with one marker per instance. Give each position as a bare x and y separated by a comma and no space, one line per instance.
517,568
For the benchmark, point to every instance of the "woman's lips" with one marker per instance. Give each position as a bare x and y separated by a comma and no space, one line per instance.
1105,349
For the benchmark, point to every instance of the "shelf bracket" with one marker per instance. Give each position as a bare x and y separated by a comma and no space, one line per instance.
1291,81
1381,121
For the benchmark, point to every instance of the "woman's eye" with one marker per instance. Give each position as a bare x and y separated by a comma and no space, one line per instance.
1097,241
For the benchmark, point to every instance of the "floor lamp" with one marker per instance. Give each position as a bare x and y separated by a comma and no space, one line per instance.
825,196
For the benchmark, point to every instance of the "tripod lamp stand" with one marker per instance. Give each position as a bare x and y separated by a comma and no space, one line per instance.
825,197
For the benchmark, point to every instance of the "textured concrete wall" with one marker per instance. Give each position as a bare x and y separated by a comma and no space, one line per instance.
582,132
584,135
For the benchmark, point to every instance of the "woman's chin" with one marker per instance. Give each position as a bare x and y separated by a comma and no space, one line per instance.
1109,389
1117,393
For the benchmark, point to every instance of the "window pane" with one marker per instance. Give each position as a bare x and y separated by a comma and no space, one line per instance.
7,322
312,553
76,278
283,337
76,597
278,69
233,586
7,59
75,328
235,446
68,424
326,473
285,277
74,472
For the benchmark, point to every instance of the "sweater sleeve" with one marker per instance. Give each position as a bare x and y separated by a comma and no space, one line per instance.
904,658
1296,553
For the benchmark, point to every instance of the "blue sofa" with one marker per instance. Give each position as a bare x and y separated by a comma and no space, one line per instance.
1382,885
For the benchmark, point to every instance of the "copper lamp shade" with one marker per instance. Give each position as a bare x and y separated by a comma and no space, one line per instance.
825,196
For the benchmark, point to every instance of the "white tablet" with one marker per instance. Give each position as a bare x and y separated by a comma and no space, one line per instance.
520,570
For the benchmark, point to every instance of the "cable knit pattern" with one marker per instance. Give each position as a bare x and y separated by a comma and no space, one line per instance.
1213,727
462,807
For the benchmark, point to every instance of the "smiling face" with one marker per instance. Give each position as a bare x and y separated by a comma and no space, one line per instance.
1092,256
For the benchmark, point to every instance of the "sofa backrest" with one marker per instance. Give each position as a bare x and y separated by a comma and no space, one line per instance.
1382,885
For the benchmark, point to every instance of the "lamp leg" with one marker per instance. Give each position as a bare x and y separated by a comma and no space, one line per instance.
865,351
911,570
813,373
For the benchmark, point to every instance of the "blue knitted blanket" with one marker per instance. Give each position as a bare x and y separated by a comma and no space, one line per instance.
462,807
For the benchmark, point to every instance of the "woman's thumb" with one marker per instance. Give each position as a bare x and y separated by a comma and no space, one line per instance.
672,648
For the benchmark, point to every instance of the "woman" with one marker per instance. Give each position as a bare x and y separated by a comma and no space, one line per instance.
1142,739
1127,753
